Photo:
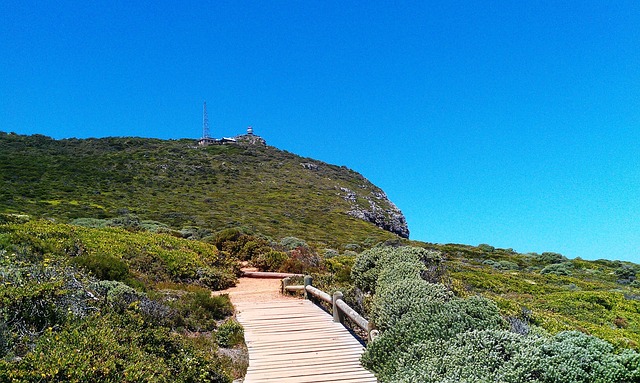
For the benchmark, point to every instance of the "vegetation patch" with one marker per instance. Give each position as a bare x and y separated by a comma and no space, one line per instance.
431,335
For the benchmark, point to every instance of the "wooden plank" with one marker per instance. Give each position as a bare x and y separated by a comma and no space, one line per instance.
296,341
268,274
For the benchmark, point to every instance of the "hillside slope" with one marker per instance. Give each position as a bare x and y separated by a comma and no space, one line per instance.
177,183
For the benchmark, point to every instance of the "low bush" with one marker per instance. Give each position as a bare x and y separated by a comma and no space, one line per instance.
230,334
501,265
114,348
564,268
200,311
270,261
290,243
103,267
549,258
59,323
486,248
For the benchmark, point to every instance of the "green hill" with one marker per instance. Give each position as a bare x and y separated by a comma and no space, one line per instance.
181,185
156,224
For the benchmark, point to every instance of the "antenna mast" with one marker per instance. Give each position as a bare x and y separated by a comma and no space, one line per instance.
205,122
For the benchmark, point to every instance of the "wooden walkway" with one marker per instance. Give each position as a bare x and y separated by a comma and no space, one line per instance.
293,340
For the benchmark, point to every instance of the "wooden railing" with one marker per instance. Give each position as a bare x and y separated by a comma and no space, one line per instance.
339,307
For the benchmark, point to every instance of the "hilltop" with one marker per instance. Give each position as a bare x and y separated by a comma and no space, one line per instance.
180,186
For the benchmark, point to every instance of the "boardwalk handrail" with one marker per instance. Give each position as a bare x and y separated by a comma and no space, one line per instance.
340,308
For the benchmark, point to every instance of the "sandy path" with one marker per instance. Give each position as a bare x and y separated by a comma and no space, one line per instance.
255,290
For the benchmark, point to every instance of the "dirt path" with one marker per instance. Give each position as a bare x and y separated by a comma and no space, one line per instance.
255,290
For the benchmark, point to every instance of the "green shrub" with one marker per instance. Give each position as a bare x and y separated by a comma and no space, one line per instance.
486,248
215,278
550,257
291,243
270,261
564,268
199,310
429,321
230,334
501,265
572,356
391,303
626,274
368,264
114,348
34,297
254,248
226,235
330,253
90,222
365,269
429,335
103,267
340,266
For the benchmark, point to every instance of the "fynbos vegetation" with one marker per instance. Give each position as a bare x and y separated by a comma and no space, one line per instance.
431,335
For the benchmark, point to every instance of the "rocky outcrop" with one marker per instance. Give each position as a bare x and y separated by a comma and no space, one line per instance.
374,206
250,139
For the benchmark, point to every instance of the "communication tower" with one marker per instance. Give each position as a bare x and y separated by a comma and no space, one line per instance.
205,122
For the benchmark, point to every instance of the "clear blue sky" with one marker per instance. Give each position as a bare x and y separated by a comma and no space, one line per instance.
511,123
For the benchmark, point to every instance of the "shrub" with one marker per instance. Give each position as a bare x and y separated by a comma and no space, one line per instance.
486,248
368,264
563,268
365,269
270,261
291,243
114,348
626,274
501,265
301,260
104,267
253,248
429,321
403,297
230,334
340,266
226,235
597,361
35,297
549,257
215,278
330,253
199,310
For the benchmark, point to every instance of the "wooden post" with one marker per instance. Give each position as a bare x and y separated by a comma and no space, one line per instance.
308,281
338,316
371,331
284,284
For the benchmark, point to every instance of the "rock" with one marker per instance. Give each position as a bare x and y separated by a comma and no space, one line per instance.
381,212
250,139
309,166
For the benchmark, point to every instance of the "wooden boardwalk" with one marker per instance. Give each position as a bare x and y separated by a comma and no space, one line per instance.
293,340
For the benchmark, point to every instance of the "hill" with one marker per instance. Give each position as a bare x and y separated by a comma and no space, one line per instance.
156,224
182,186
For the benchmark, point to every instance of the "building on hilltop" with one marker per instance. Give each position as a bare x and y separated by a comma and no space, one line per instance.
206,140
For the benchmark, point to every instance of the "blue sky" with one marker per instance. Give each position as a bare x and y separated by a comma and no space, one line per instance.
511,123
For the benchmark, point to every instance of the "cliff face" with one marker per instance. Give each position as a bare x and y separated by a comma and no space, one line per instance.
374,206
